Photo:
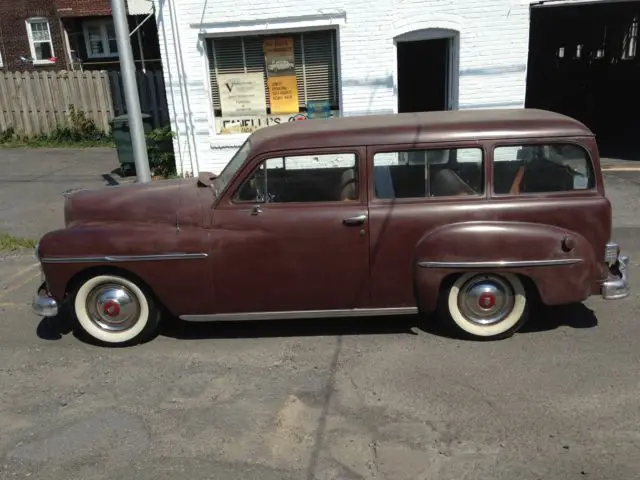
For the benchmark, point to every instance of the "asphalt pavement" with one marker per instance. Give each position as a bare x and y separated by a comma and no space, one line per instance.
339,399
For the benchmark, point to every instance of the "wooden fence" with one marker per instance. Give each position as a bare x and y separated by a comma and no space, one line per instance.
37,102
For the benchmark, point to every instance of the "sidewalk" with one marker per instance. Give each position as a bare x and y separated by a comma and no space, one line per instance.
617,165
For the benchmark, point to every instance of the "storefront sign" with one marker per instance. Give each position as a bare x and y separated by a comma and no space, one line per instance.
242,93
283,93
248,124
281,74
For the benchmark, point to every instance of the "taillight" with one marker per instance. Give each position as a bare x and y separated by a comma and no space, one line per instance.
611,253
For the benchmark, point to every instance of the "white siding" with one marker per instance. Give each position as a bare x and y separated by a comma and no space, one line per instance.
493,55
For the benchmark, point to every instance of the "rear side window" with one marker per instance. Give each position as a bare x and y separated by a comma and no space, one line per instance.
417,174
541,168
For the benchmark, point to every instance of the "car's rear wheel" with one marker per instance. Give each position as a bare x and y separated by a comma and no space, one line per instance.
486,305
114,310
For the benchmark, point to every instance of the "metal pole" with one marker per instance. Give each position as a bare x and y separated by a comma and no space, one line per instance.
128,70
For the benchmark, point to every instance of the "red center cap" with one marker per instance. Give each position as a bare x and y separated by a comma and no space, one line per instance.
487,300
111,308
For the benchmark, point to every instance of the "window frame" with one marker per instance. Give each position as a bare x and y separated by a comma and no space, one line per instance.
228,197
333,85
593,191
372,150
102,24
32,42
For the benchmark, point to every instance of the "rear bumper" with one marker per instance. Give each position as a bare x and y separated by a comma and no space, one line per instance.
617,285
44,304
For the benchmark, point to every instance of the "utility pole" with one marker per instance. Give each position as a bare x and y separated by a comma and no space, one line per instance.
128,70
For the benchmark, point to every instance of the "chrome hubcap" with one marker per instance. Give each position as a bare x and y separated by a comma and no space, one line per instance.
486,299
113,307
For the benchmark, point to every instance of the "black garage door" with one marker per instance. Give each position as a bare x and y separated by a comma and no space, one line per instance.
584,62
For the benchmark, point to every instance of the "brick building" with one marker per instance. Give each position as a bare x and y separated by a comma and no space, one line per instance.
72,34
355,57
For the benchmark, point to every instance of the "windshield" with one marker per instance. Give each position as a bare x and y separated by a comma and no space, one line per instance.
221,182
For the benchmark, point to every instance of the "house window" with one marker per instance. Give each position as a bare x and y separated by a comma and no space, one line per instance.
315,67
40,41
100,39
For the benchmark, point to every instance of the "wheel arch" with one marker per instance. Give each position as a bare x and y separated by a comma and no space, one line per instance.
558,265
528,282
85,274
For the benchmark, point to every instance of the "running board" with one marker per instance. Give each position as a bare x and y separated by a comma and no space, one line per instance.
300,314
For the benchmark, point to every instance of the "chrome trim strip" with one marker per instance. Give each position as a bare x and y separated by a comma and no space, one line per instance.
125,258
502,263
300,314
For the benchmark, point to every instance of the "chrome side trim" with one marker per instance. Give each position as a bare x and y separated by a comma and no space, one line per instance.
125,258
300,314
502,263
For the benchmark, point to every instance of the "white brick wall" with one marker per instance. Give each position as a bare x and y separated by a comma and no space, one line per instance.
493,55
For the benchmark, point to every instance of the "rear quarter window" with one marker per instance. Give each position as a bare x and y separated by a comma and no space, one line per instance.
541,168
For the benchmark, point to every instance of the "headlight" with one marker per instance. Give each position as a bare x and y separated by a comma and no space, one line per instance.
36,253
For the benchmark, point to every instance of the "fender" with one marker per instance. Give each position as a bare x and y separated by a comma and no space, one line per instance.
173,263
543,253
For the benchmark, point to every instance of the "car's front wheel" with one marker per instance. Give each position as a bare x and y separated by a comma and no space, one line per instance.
486,305
114,310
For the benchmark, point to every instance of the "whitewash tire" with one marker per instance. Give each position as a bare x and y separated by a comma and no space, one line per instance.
144,325
514,320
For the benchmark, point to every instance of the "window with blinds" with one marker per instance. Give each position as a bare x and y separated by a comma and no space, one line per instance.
315,64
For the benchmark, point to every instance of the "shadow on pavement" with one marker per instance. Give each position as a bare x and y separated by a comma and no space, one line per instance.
176,328
54,328
542,319
576,315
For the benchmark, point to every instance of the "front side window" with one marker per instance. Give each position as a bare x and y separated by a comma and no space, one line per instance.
236,162
445,172
40,41
306,178
100,39
541,168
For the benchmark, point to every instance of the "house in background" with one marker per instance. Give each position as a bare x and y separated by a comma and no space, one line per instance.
73,34
355,57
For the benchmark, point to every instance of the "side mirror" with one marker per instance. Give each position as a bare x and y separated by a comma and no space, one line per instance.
205,178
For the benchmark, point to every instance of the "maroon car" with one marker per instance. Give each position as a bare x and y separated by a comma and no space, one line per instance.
472,215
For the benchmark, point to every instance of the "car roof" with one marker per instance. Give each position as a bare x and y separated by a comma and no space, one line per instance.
422,127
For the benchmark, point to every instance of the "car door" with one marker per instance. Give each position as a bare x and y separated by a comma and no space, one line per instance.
292,235
413,190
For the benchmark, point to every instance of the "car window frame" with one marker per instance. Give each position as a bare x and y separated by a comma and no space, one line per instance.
228,199
519,142
403,147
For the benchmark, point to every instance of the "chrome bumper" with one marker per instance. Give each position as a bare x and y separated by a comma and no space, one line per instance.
44,304
617,287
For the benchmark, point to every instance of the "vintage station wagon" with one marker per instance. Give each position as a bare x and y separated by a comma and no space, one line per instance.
469,215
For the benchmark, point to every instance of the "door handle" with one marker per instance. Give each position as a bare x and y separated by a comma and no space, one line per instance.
256,210
358,220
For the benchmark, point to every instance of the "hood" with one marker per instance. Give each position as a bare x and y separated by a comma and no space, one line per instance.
153,202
